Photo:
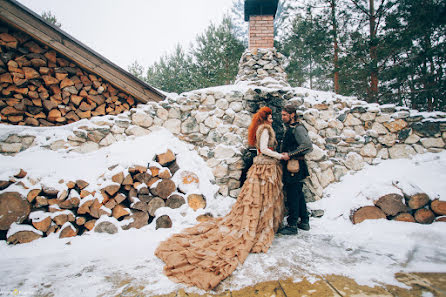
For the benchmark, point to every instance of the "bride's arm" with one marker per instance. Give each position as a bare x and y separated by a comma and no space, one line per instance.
264,138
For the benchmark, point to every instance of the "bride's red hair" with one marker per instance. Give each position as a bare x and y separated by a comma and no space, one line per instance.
259,118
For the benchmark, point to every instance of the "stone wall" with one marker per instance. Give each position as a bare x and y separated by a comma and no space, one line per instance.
346,133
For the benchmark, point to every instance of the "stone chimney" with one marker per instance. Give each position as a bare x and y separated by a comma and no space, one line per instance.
260,14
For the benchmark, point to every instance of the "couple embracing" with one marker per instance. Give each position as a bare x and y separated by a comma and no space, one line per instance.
207,253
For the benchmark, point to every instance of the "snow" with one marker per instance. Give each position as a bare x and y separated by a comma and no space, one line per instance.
103,264
15,228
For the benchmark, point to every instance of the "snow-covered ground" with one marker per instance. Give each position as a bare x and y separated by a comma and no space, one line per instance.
105,265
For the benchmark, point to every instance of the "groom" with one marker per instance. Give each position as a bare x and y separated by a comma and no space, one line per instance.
296,143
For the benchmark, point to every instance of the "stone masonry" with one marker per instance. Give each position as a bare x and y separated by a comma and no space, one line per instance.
347,133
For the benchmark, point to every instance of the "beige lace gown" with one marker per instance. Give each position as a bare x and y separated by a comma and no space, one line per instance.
207,253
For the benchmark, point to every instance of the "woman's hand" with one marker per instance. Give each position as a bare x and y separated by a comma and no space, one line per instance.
285,157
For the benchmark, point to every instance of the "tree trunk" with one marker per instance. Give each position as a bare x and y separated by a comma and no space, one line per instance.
373,54
335,46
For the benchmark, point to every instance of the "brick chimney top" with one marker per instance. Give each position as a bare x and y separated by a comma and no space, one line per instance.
260,14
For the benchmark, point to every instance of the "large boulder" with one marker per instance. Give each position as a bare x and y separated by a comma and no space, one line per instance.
13,209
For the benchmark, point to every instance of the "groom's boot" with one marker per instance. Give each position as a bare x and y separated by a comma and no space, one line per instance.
304,224
288,230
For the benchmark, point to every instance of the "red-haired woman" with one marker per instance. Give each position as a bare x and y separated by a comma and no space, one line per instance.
209,252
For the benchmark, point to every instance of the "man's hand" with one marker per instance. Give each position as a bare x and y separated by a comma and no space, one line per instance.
285,156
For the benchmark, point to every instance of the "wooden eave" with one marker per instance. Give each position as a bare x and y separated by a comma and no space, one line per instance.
20,17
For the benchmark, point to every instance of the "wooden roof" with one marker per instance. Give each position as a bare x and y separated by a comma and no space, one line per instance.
22,18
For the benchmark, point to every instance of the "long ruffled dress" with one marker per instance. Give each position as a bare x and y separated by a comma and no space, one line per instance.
207,253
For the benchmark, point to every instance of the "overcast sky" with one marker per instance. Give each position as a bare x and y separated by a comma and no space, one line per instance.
127,30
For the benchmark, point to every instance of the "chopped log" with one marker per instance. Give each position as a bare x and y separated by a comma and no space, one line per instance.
175,201
128,180
60,219
418,200
165,173
13,209
142,177
81,221
139,205
90,224
4,184
173,167
204,217
70,203
41,220
51,56
81,184
120,211
137,169
49,80
85,193
61,196
112,189
85,206
66,82
76,99
52,229
110,203
6,78
41,201
137,219
164,188
33,194
71,184
415,197
424,216
106,227
119,198
21,174
165,158
23,237
405,217
439,207
392,204
154,204
154,170
30,73
118,178
68,230
145,197
152,181
367,213
163,221
97,209
196,201
50,191
31,122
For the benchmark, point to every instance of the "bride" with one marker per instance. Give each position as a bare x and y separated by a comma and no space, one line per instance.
207,253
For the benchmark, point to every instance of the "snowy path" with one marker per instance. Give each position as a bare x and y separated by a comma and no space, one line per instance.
104,265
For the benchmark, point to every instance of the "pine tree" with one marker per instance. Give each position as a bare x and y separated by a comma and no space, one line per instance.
216,54
308,48
137,70
51,18
172,73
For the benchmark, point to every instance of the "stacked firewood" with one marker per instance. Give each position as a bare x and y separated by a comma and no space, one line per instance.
40,87
128,200
413,205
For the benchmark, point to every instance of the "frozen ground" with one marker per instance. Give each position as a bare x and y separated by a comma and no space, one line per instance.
105,265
